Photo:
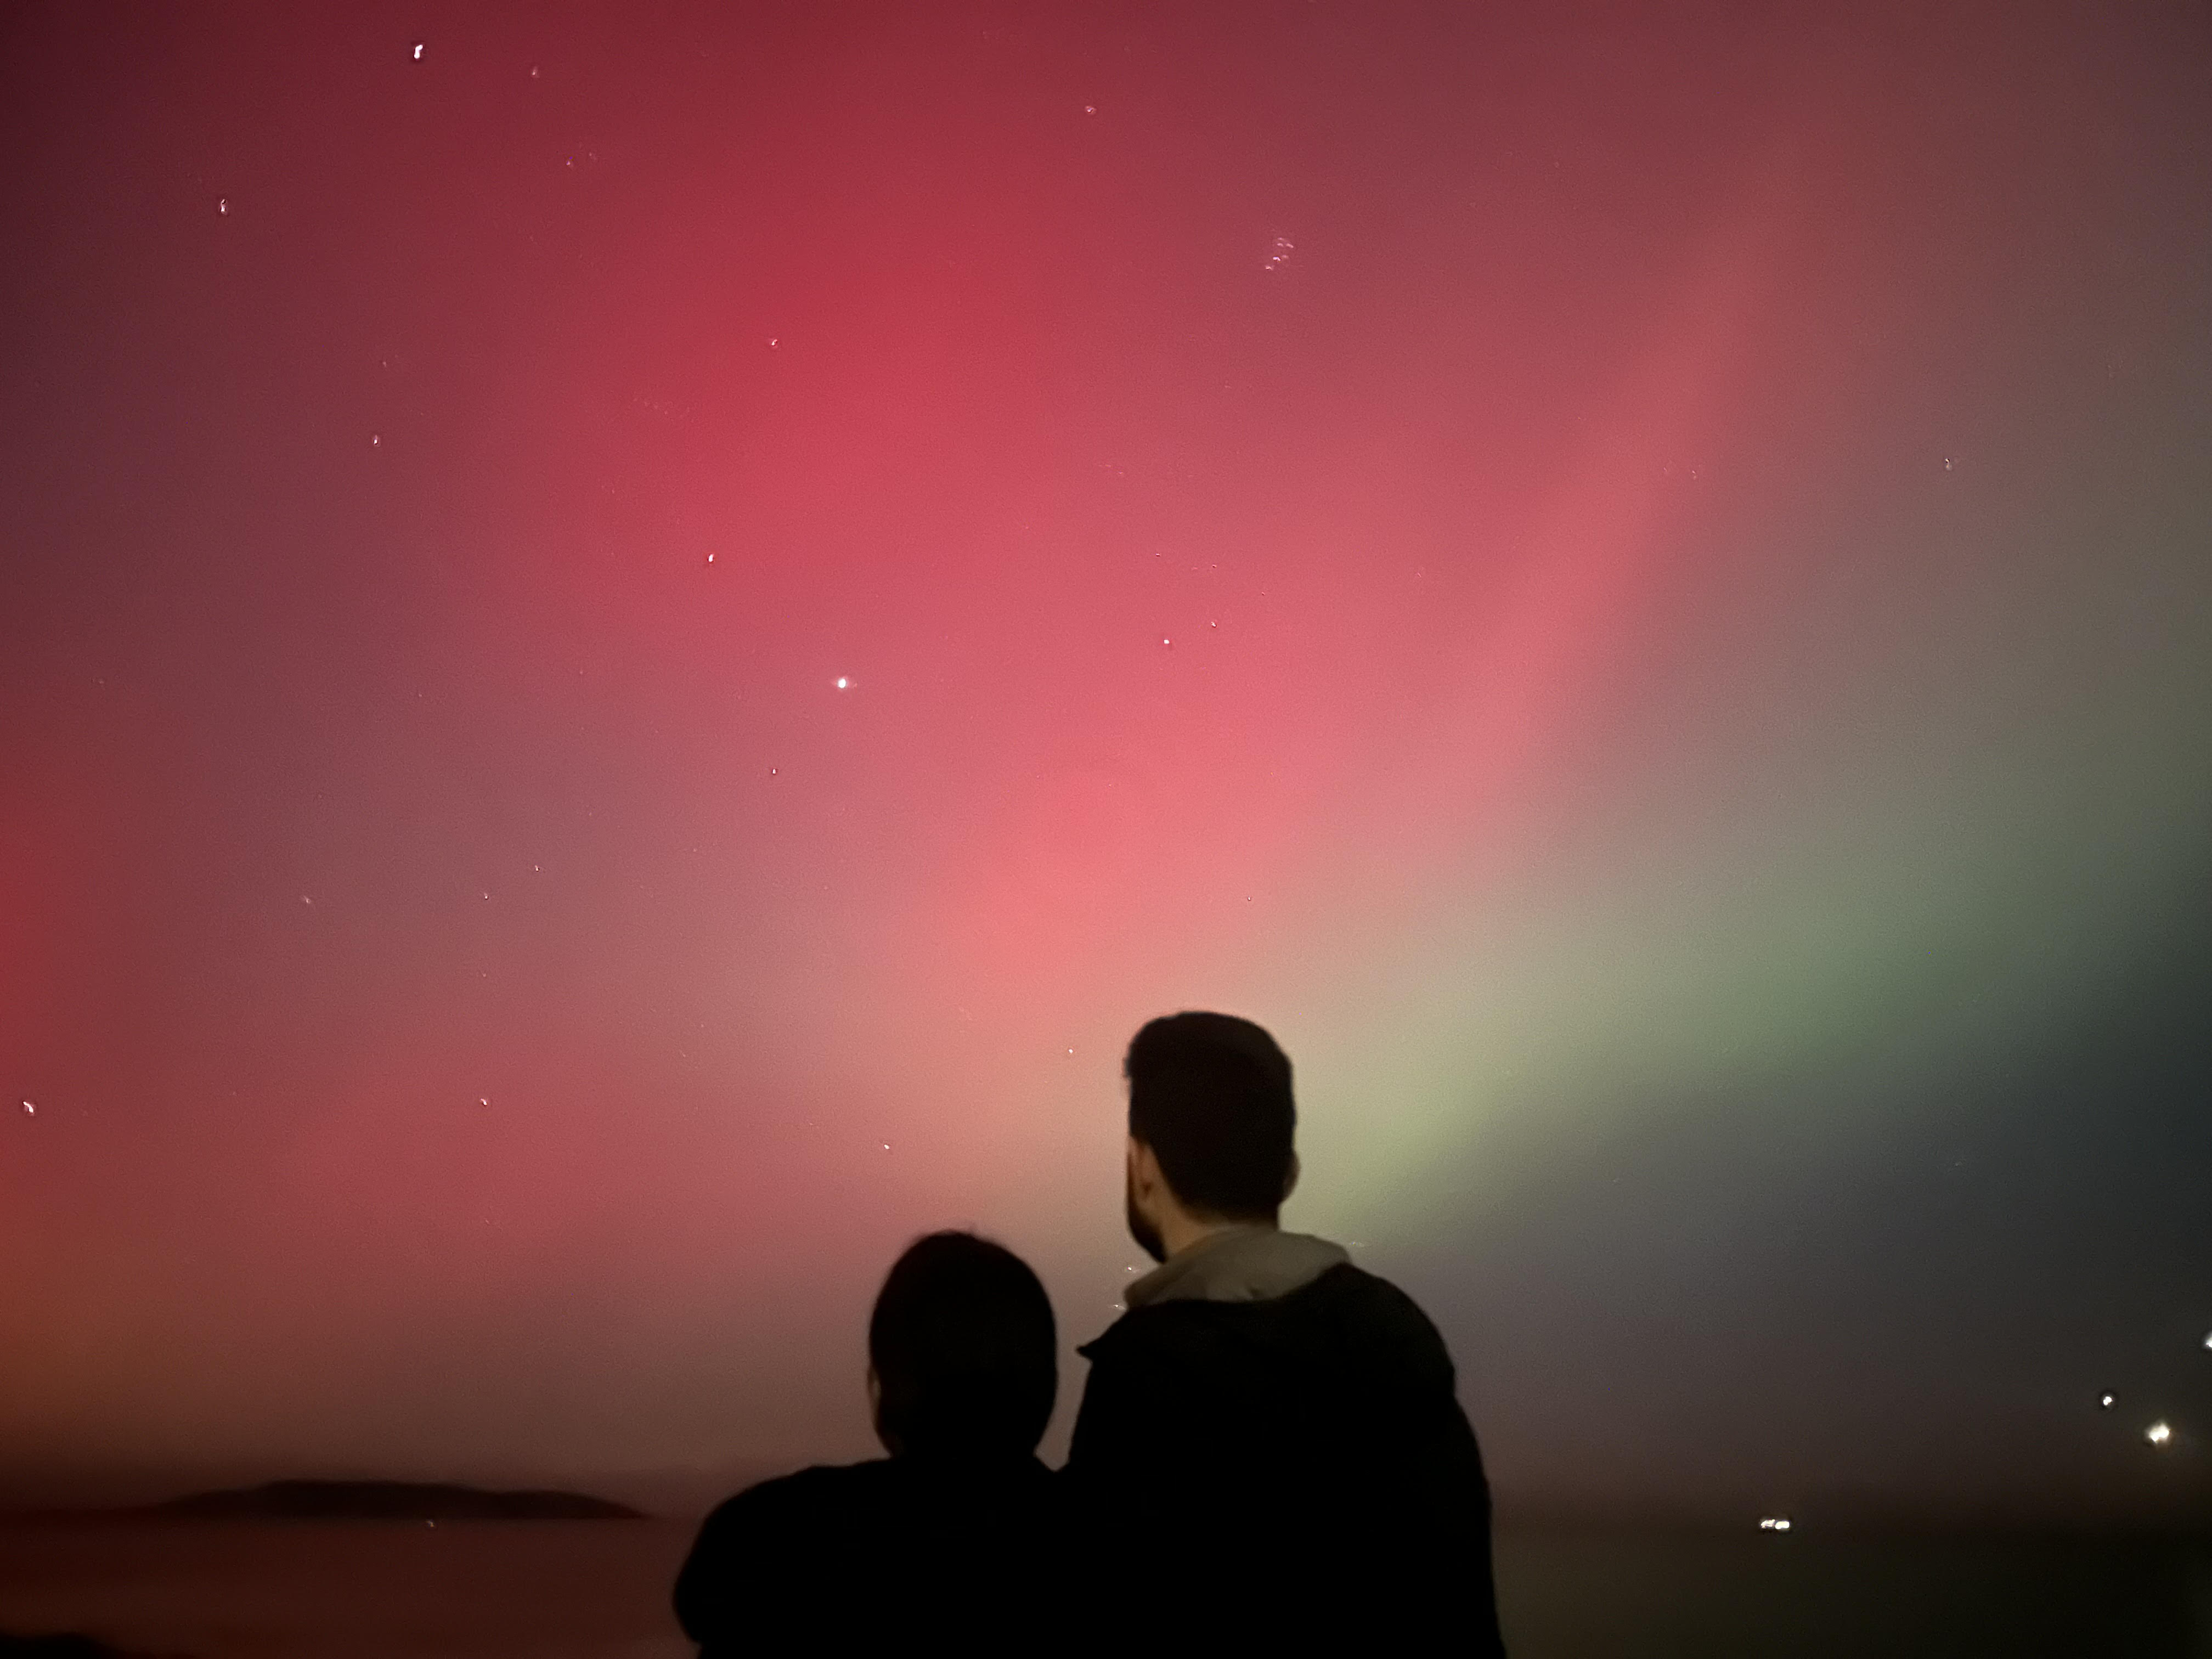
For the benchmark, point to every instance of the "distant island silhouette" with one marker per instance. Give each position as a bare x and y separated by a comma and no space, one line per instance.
380,1500
65,1645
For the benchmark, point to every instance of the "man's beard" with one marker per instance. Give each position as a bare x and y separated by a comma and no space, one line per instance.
1146,1235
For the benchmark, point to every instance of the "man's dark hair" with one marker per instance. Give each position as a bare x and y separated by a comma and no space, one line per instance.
1210,1095
963,1344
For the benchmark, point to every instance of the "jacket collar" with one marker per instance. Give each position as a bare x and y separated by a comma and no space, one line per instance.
1255,1263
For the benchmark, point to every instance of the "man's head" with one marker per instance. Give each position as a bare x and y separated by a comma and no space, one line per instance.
962,1351
1210,1107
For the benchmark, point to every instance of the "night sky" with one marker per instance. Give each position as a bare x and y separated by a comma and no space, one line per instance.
633,642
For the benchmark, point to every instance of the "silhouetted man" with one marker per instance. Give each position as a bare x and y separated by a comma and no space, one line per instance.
1275,1430
952,1543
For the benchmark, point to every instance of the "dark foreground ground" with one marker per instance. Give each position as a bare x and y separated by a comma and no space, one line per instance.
599,1590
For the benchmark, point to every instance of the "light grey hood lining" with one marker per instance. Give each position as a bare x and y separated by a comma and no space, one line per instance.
1238,1264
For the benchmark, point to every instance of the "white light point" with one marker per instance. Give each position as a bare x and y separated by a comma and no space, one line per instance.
2208,1339
223,204
418,52
483,1100
1774,1523
31,1110
842,683
710,558
2104,1403
2159,1433
885,1144
1090,109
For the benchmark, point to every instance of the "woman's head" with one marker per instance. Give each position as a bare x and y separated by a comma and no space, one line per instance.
963,1350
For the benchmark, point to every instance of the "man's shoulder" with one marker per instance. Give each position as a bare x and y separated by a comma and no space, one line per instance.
1352,1310
1372,1302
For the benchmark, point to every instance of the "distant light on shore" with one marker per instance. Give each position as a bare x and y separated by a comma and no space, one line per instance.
1774,1523
2160,1432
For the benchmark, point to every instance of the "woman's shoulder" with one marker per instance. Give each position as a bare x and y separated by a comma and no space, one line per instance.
821,1488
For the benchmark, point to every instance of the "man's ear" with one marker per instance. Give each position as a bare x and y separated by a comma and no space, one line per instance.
1290,1178
1143,1166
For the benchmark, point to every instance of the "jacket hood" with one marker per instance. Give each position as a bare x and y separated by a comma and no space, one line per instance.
1238,1264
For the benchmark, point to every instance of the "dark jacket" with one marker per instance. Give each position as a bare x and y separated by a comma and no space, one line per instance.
901,1552
1292,1465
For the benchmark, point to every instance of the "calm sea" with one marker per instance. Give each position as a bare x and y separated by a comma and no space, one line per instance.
600,1590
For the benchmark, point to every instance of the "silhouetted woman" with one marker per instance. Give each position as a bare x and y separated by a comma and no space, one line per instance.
956,1537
